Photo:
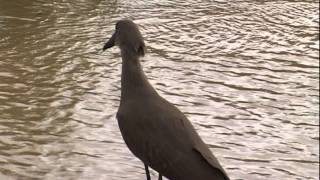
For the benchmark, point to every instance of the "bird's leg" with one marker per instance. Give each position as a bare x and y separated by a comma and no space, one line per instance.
147,172
160,177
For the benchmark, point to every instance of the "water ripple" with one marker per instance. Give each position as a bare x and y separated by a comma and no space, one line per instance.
246,73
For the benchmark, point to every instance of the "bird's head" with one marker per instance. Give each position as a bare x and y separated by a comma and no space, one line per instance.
128,37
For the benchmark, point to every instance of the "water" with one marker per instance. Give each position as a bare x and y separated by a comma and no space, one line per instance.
246,73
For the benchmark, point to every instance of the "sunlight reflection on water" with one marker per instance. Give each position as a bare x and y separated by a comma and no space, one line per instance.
246,74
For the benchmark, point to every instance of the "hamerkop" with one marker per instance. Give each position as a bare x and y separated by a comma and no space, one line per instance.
155,130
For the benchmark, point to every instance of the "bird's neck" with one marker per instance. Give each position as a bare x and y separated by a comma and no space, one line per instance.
134,83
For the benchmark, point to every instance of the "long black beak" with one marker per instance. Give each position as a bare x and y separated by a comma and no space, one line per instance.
110,43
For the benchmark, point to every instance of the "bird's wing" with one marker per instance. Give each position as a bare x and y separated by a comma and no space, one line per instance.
190,134
210,159
163,137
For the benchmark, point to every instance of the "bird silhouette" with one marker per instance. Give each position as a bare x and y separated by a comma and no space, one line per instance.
156,131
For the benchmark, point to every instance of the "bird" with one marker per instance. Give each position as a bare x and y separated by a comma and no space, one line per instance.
155,130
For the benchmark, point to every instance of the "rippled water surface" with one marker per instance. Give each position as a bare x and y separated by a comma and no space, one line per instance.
246,73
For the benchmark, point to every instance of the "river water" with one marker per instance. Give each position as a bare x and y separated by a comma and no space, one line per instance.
245,72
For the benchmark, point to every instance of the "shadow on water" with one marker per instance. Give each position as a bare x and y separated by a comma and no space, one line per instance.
245,73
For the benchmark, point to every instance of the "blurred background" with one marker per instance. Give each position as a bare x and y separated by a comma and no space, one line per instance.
245,72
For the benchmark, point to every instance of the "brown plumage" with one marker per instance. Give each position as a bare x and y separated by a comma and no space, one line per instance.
155,130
